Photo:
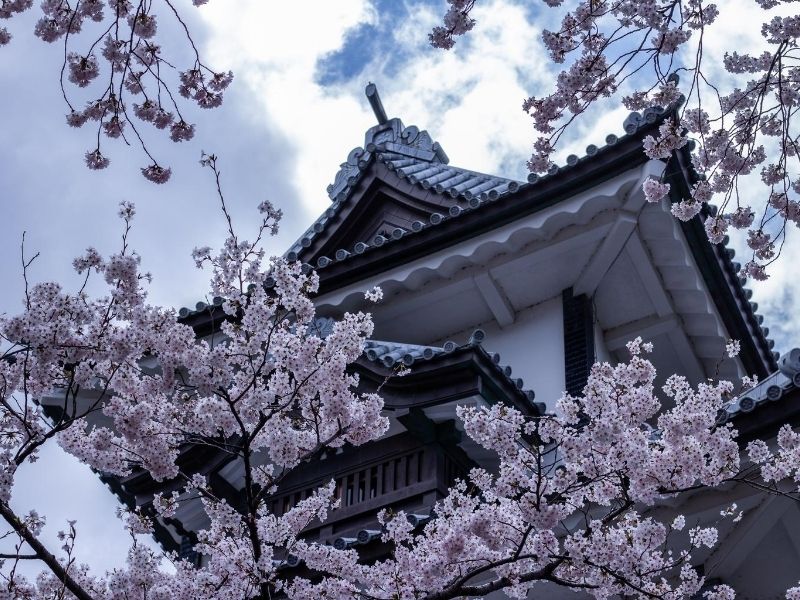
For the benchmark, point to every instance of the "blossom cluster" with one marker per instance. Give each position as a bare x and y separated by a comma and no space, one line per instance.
567,504
133,387
456,22
127,388
740,129
128,57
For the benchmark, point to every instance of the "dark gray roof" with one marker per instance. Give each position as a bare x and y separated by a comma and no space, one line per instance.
772,389
413,156
390,354
394,354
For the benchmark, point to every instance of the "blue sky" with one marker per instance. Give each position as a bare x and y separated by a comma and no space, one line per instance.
369,39
293,113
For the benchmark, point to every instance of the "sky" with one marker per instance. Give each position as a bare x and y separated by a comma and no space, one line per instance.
295,110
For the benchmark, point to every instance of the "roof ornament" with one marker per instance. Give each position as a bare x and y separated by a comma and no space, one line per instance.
374,98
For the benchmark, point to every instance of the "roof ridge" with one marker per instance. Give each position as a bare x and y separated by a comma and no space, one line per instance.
408,152
390,354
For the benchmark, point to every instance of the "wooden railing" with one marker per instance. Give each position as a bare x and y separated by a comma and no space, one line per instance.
380,479
381,483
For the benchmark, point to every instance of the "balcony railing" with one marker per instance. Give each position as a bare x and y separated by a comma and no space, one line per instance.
402,480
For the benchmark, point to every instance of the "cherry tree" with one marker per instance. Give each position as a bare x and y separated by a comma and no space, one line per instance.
111,48
568,506
123,386
265,389
739,117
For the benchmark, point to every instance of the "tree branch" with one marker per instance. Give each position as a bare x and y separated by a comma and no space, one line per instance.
42,553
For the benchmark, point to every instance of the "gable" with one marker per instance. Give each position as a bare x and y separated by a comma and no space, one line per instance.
397,201
379,209
398,182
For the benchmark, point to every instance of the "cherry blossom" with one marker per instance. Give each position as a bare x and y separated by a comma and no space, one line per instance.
275,394
95,160
276,390
596,464
82,69
157,173
741,122
456,22
181,131
655,191
125,59
374,295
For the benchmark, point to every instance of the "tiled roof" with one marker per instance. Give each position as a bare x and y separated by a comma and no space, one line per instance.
413,156
772,389
391,354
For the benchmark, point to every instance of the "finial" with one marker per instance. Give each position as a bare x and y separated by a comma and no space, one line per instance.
375,102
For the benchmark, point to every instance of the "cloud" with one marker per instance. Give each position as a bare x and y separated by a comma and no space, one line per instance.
61,489
295,110
48,192
274,49
469,98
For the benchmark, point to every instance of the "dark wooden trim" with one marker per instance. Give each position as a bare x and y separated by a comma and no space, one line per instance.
579,355
467,371
768,417
724,288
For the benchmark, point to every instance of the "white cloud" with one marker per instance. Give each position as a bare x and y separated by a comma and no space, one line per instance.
274,49
61,489
469,98
281,135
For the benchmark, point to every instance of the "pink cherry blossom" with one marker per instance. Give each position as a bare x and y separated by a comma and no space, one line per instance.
181,131
82,69
157,173
125,45
637,49
655,191
95,160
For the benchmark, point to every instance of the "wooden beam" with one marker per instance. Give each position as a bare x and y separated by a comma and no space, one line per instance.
652,282
647,328
731,553
693,368
495,299
602,260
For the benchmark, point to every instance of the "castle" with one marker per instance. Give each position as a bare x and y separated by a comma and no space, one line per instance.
503,291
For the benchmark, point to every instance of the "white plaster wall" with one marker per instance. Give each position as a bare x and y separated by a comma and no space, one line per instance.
601,353
533,346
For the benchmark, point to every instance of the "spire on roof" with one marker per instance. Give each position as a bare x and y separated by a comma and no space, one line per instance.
389,138
375,102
